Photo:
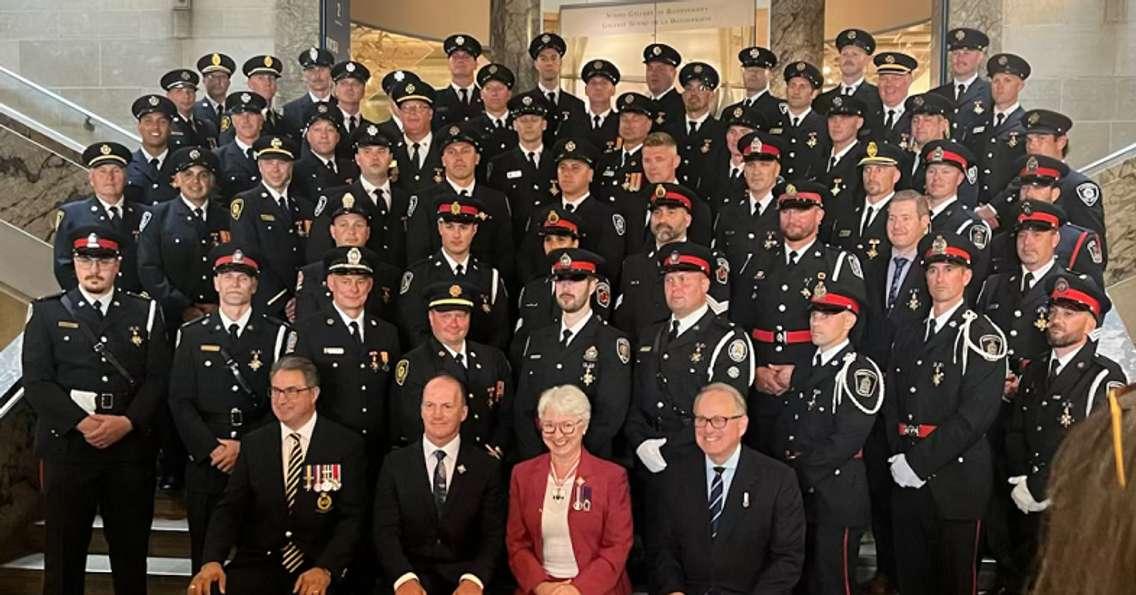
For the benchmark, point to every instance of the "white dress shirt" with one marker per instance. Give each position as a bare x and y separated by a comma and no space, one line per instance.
305,432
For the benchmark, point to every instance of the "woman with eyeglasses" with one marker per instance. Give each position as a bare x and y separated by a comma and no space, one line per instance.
569,529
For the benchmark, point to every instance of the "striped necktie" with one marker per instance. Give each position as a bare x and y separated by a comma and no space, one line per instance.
292,558
717,499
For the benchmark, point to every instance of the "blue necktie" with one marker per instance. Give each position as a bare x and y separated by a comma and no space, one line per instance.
896,280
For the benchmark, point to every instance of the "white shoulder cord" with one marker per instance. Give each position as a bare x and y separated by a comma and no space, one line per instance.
840,387
963,336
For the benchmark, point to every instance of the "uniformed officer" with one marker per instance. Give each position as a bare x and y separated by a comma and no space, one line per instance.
856,47
392,127
349,224
930,121
805,130
315,64
895,73
949,168
148,173
536,302
373,191
601,123
1057,391
603,230
417,155
580,349
496,83
841,168
350,85
1039,178
821,432
482,369
106,173
354,350
944,386
660,64
274,219
216,71
677,357
319,166
457,220
526,171
239,170
173,248
700,135
745,223
642,296
94,371
779,279
493,244
186,129
863,229
263,73
460,100
219,383
757,67
998,140
970,92
727,182
565,110
622,167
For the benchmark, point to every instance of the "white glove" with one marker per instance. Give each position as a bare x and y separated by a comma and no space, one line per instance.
1023,498
903,474
649,452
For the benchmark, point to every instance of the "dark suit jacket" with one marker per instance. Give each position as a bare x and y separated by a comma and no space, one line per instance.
253,513
870,95
465,537
601,534
760,547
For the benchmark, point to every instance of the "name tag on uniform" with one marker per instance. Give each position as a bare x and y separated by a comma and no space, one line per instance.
67,324
535,356
211,347
608,173
845,233
513,174
267,217
645,348
978,130
333,351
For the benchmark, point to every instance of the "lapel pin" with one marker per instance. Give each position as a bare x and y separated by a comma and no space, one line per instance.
745,499
461,469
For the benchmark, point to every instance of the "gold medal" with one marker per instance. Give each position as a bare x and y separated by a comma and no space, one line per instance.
872,251
697,355
588,378
324,502
1066,418
136,336
255,363
937,376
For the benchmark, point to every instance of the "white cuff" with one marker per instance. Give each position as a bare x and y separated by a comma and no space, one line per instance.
410,576
473,579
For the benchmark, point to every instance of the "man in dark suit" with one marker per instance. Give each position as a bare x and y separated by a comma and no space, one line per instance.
239,170
944,386
969,91
806,130
148,174
731,520
856,47
316,64
216,71
757,66
460,100
415,150
565,110
94,371
660,63
895,72
439,508
106,172
295,502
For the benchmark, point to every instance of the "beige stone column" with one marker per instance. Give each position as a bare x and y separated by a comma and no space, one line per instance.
296,29
796,32
512,24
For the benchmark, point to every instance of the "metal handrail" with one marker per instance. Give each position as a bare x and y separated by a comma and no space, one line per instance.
1109,160
91,116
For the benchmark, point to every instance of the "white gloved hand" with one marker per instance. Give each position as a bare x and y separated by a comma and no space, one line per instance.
1023,498
649,451
903,474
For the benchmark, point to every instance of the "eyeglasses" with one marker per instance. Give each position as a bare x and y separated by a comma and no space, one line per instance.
90,261
289,393
717,422
566,427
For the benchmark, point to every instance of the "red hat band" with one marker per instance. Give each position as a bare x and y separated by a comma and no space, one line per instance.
243,261
1040,218
1077,296
833,299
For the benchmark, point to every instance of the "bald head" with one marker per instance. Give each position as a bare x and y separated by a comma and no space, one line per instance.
443,409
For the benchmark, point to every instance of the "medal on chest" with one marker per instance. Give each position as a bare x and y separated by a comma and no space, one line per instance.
1066,418
136,336
873,252
254,360
696,357
937,374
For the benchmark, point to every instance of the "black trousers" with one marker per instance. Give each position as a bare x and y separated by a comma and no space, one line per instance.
880,483
123,493
263,576
831,554
933,555
199,507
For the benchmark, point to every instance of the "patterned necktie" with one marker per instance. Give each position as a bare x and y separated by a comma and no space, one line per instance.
439,481
292,558
893,290
717,490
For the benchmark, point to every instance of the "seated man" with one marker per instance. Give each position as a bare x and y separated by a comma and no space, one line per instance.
443,536
294,502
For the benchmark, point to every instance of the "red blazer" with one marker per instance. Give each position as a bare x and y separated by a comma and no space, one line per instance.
601,536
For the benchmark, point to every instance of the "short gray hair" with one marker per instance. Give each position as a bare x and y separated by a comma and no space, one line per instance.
722,387
921,206
565,399
299,364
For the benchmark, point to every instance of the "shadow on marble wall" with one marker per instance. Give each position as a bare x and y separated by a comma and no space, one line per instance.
33,182
1119,185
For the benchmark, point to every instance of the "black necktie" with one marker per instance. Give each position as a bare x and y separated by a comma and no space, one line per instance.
532,158
999,119
756,210
459,359
154,163
464,96
1053,366
890,120
551,99
693,128
595,122
793,258
234,329
380,200
414,157
867,220
355,334
463,192
251,154
848,91
198,213
351,124
673,333
114,214
283,203
831,162
571,208
459,270
930,330
440,480
960,92
796,120
1027,282
567,336
98,307
735,173
816,361
331,166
